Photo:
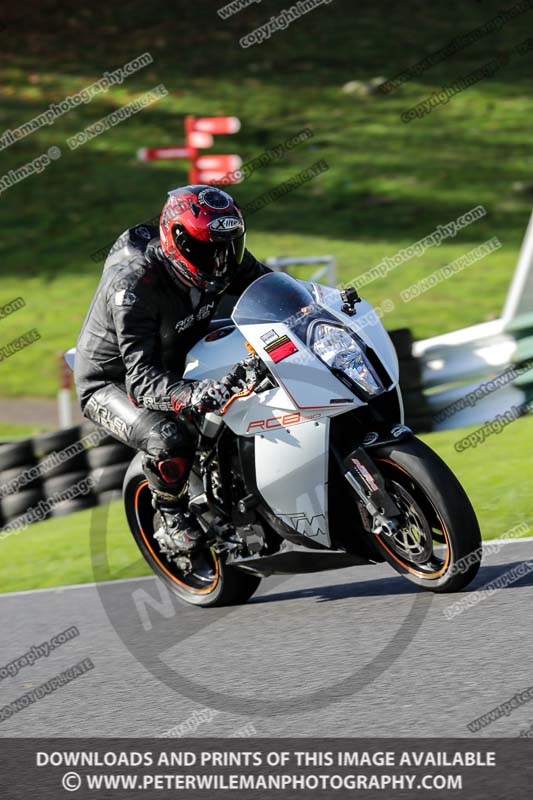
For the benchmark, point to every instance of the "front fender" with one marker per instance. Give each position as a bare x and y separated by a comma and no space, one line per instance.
386,435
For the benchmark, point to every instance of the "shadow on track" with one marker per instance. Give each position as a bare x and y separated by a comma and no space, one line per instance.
393,586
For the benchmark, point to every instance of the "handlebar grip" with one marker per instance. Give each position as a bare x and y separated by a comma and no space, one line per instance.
236,378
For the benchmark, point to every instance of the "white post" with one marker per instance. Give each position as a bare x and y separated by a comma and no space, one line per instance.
64,408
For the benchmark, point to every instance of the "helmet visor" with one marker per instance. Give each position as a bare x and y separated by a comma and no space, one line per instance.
211,258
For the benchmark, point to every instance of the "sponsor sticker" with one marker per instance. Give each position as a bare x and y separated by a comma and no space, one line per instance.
281,348
399,430
269,336
365,474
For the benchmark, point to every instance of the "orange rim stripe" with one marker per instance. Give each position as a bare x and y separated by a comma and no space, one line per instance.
148,545
398,560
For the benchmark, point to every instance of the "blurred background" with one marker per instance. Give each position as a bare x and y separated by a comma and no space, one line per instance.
388,184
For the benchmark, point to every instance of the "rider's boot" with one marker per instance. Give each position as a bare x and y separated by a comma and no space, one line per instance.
176,529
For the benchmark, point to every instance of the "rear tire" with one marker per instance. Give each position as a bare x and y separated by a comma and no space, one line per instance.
414,473
212,583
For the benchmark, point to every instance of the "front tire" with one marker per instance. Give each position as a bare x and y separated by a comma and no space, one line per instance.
439,545
211,582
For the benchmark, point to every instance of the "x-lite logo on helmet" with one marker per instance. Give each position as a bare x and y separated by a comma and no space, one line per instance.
226,224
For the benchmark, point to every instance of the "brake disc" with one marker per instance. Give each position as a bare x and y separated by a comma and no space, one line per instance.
414,538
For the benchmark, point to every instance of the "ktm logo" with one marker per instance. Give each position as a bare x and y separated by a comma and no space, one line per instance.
316,526
280,422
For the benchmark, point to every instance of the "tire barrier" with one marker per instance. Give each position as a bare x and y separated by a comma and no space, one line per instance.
16,505
11,479
16,454
61,483
108,454
109,477
60,472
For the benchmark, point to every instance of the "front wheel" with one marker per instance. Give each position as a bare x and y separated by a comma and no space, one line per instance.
210,582
438,541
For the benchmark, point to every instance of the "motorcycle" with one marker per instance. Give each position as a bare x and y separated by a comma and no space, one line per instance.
309,465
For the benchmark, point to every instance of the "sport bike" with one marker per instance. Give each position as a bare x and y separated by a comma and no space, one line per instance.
309,466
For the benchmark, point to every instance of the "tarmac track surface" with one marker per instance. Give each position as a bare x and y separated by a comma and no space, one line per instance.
356,652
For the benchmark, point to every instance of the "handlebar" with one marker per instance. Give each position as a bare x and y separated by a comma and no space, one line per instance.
244,377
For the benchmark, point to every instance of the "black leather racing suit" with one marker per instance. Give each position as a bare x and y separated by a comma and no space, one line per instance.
131,353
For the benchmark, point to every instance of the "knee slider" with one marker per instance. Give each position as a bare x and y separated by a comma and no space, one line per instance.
173,470
165,440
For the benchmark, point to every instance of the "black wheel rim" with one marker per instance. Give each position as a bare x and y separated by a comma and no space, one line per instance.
421,546
205,573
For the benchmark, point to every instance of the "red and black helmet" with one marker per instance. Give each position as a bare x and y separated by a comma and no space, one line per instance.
203,236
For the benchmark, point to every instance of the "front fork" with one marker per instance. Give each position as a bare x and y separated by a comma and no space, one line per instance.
368,483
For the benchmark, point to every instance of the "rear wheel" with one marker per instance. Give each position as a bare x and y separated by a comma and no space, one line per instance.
438,543
209,582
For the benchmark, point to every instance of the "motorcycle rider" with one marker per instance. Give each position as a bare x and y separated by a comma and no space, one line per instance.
159,290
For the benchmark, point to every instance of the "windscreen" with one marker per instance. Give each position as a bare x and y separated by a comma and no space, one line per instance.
275,297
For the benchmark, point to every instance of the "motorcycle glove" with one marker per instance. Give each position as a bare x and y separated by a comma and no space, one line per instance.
209,395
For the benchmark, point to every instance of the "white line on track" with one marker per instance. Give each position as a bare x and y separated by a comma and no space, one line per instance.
60,589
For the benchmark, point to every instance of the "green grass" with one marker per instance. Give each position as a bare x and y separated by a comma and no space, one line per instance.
61,548
389,183
10,431
61,551
497,475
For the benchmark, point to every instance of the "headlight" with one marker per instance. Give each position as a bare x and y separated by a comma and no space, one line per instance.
341,352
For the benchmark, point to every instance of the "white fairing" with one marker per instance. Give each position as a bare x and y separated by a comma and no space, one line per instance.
291,422
213,359
295,487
